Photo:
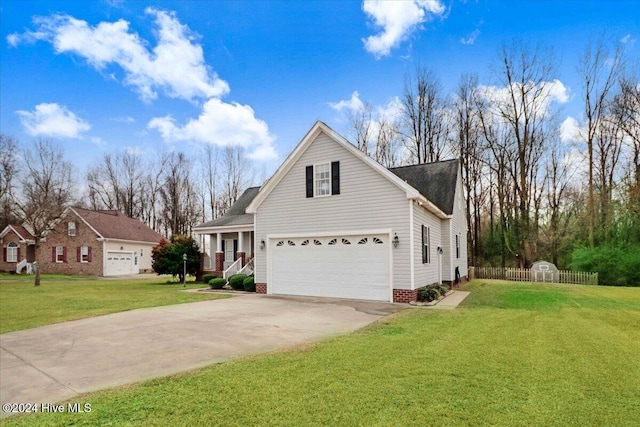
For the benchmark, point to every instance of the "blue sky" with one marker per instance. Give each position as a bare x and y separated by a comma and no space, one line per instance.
102,76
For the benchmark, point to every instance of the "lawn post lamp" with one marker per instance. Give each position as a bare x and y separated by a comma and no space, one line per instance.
184,276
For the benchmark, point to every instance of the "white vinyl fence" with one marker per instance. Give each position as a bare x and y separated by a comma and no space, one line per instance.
524,275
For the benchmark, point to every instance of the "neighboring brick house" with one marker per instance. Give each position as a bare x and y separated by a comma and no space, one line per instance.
18,249
100,243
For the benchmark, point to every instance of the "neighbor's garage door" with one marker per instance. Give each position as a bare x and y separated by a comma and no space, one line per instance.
340,267
119,263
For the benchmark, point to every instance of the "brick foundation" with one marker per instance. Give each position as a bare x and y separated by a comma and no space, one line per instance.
243,256
219,260
404,295
261,288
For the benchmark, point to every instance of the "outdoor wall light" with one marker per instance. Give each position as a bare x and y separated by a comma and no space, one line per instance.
396,241
262,244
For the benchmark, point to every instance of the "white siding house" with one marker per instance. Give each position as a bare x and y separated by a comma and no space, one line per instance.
333,222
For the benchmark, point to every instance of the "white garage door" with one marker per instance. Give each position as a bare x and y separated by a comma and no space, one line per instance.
119,263
339,266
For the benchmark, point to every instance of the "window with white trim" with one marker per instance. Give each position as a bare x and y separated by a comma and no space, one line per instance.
229,254
457,245
322,179
426,245
71,228
12,252
59,253
84,253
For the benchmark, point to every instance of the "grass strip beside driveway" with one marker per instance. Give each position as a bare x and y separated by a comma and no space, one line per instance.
24,306
512,354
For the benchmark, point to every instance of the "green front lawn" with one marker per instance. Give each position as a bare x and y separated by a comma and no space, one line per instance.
511,355
61,298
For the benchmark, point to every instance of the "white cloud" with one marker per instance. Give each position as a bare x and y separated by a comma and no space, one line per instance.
472,37
397,20
571,131
114,3
392,111
98,141
351,105
53,120
628,40
222,124
13,39
175,65
133,150
123,119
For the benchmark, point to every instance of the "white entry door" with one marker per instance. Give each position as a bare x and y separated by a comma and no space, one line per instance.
353,266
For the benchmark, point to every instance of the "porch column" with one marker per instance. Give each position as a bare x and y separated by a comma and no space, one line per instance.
241,253
219,257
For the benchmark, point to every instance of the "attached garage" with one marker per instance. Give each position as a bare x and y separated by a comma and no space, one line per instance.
119,263
340,266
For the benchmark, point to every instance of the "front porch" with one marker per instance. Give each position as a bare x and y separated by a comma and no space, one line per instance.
228,241
230,251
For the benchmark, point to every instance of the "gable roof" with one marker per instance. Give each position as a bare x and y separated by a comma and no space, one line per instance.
236,215
436,181
20,231
320,127
111,224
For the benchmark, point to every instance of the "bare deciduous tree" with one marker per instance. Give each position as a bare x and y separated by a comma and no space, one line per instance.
210,168
150,196
526,75
47,189
116,183
8,174
559,177
424,126
599,70
468,131
627,112
180,207
234,177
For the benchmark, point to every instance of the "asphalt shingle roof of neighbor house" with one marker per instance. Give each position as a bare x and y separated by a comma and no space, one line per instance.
236,215
112,224
22,232
436,181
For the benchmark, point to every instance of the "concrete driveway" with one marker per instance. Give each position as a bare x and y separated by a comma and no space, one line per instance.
57,362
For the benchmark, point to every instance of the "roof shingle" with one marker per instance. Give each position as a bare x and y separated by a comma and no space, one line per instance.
436,181
115,225
22,232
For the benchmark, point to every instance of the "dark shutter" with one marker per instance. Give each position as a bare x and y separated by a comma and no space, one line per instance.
64,254
78,255
89,254
309,181
4,254
335,177
18,254
53,254
235,249
424,249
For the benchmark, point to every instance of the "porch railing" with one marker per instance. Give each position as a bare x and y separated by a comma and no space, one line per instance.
233,268
26,266
247,269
